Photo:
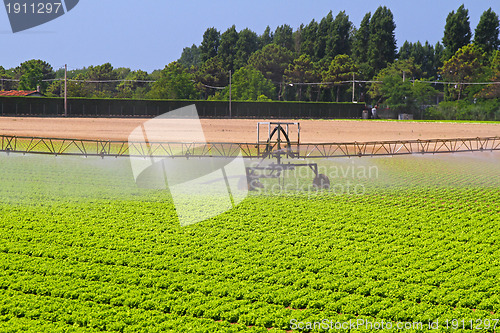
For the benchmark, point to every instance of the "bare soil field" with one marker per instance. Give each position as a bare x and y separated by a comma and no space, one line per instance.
245,130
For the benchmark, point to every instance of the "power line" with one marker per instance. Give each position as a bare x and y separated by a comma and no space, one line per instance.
290,83
456,83
100,81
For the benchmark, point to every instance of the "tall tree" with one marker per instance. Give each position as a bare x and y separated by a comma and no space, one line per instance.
361,40
323,36
247,44
398,91
102,72
300,71
227,48
121,72
191,56
308,37
342,68
341,40
31,74
78,88
423,55
487,30
272,61
211,76
31,78
283,36
464,67
266,38
135,86
382,43
457,31
174,83
492,90
249,84
428,62
5,80
406,68
405,96
438,57
210,44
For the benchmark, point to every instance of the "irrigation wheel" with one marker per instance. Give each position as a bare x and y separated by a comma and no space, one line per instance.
321,181
253,183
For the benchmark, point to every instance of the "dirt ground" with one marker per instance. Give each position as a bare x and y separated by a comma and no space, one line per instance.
244,130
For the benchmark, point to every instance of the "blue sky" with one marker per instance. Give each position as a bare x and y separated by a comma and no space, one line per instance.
149,34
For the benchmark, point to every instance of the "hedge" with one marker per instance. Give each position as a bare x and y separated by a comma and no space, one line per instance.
81,107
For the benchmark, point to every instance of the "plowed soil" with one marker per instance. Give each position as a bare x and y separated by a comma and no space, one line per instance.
245,130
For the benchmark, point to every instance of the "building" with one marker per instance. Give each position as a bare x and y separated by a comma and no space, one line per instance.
21,93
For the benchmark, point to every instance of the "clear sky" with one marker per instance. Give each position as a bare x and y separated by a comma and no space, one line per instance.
149,34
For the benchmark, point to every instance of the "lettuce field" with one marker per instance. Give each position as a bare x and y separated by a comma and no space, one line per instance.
83,249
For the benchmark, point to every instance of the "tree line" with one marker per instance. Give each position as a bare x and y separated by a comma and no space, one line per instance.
318,61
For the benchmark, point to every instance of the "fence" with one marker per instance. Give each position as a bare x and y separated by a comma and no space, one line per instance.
79,107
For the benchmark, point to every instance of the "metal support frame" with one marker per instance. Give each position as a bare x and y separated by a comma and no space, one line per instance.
58,146
277,145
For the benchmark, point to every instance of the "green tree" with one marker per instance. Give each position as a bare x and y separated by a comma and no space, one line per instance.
457,32
405,69
301,70
31,74
135,86
70,73
266,38
248,84
5,77
428,61
190,57
272,61
100,73
247,44
341,41
283,36
342,68
423,55
398,91
174,83
405,96
361,41
438,58
382,42
487,30
308,37
464,67
211,74
227,48
492,90
122,72
31,79
77,88
323,36
55,89
210,44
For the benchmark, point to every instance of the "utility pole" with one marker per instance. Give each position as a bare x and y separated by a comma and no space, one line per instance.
353,87
404,76
65,90
230,114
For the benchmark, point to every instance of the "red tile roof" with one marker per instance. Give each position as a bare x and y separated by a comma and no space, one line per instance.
18,92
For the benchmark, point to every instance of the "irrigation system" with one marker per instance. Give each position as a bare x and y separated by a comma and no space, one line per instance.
107,148
280,144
